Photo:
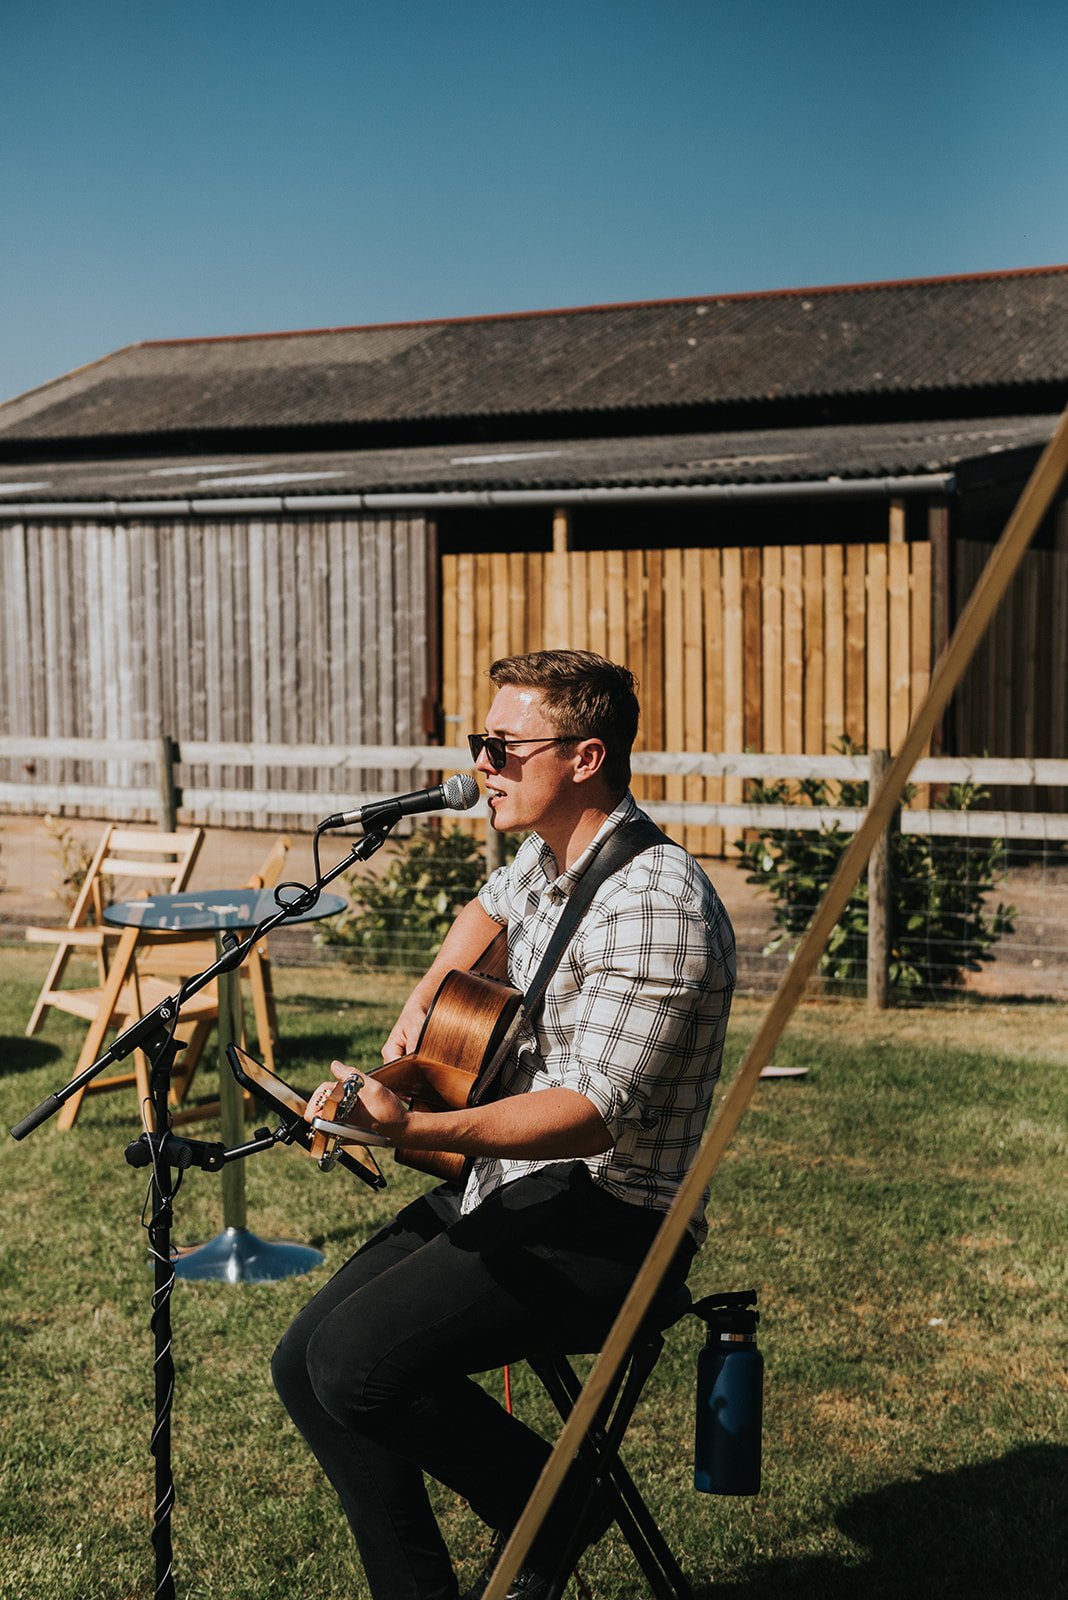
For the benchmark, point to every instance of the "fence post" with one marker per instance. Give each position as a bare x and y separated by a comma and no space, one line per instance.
494,847
168,797
879,898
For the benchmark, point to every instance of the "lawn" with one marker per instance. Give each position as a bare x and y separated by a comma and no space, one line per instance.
901,1209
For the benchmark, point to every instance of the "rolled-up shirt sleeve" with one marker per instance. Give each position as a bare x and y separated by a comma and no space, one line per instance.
494,896
645,1024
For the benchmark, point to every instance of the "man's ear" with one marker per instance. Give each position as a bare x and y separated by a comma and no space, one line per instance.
590,756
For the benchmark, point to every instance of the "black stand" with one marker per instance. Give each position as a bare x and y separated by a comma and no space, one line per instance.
154,1034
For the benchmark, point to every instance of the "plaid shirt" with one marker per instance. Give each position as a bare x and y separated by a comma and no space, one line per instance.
635,1015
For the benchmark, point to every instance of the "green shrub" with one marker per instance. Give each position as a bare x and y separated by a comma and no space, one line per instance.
398,918
940,924
74,861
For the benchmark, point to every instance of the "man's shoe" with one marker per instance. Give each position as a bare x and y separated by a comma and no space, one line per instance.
526,1585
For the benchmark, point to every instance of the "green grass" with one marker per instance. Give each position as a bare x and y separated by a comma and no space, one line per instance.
901,1210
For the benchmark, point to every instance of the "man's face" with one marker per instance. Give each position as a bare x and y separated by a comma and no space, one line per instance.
536,786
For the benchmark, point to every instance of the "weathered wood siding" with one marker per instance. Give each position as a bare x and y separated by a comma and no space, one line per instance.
296,631
777,649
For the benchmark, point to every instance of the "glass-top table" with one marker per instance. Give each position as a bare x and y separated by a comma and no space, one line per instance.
236,1254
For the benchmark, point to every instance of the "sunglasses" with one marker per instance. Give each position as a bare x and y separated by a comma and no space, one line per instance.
497,749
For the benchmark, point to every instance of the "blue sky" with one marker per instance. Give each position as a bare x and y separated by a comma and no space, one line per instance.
174,170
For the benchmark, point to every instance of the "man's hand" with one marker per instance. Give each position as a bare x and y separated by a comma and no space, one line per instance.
404,1035
378,1110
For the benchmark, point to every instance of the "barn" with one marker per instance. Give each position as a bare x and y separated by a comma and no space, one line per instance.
771,505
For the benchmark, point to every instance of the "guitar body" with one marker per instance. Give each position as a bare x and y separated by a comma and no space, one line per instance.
469,1019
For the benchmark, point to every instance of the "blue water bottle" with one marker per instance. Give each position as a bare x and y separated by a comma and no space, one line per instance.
730,1395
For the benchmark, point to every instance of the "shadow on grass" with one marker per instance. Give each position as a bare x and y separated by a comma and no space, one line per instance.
986,1530
20,1054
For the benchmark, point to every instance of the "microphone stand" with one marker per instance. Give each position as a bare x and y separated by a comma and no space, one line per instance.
154,1034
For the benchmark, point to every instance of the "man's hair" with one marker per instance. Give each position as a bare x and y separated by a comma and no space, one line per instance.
584,696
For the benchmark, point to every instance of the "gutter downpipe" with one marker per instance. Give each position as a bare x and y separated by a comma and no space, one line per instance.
940,483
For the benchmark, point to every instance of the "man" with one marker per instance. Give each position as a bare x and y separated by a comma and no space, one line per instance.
597,1118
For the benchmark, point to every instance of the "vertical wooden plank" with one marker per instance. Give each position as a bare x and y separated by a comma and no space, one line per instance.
793,650
752,649
391,640
834,713
518,616
941,596
653,678
896,523
597,581
693,683
615,578
535,566
812,578
450,693
920,640
899,643
674,688
1059,661
635,657
578,630
733,676
556,600
483,636
856,644
771,650
1031,653
712,586
878,676
468,708
500,608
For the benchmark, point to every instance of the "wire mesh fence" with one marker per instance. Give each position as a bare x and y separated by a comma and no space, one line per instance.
974,903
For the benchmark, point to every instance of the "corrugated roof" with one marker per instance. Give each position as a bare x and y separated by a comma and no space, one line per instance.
996,331
979,449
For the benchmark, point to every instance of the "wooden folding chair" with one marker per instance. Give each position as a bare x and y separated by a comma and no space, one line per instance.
123,855
127,994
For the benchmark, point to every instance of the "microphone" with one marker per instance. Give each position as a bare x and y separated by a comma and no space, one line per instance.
458,793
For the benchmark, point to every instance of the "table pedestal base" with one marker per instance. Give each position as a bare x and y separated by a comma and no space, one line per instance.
238,1256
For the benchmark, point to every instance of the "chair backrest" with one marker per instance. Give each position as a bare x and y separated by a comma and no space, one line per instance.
273,862
166,859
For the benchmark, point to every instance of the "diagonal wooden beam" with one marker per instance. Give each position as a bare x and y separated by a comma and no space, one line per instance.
1006,556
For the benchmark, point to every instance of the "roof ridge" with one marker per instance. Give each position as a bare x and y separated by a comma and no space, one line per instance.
621,305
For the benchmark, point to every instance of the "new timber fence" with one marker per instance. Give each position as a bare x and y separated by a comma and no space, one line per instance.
135,780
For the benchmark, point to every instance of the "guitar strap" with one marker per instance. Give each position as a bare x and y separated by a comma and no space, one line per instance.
628,841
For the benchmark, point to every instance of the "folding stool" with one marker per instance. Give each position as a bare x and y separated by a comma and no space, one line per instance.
600,1450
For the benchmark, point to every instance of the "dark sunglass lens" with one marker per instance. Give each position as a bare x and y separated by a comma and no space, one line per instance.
497,751
475,742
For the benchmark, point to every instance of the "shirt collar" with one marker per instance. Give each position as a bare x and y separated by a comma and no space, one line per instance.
564,883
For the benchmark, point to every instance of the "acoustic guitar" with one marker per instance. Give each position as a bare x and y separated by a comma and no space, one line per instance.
462,1043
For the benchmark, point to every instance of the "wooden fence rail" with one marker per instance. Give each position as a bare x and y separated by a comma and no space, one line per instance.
259,806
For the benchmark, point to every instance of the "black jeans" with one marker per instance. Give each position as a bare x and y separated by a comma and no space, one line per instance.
376,1370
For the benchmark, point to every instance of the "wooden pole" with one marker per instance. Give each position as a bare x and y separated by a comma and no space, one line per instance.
494,848
896,529
561,530
879,897
995,579
168,797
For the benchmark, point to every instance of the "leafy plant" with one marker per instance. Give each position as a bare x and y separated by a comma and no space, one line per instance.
940,923
74,860
399,917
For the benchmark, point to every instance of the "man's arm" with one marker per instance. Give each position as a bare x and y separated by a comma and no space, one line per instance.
543,1125
465,941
